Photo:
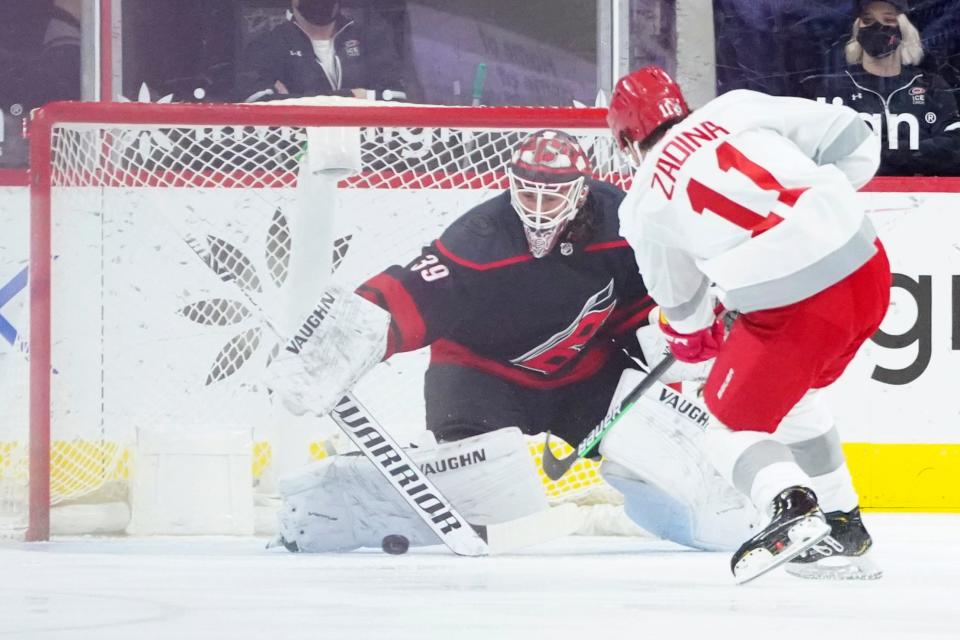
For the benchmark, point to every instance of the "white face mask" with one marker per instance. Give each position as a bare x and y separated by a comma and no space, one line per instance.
543,206
545,209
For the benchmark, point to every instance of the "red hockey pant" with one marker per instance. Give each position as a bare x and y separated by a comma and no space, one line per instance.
773,357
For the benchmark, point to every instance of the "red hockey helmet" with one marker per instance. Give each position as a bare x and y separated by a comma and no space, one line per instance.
547,176
641,102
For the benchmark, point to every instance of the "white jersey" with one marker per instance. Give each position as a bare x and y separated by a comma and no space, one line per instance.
754,194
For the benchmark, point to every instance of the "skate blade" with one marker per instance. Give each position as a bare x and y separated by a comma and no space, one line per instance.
803,535
838,568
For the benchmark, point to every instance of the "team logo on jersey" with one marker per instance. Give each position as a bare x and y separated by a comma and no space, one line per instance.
557,351
566,248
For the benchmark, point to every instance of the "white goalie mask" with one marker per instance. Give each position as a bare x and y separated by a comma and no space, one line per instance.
547,186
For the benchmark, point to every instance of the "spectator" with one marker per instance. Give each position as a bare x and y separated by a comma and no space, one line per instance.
913,110
39,63
319,51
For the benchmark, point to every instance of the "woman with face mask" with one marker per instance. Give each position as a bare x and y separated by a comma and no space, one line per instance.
320,51
912,109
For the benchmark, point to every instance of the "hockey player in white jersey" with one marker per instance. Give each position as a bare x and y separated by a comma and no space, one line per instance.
749,203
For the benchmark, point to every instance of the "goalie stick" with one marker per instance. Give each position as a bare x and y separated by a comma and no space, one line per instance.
426,501
555,467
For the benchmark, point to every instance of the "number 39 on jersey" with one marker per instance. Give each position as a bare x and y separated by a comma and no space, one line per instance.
430,268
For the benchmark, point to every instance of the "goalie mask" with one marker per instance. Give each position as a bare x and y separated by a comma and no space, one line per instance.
547,176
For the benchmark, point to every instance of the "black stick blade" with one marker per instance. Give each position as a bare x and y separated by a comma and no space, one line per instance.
555,467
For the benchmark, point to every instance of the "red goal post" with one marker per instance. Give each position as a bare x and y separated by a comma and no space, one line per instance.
99,170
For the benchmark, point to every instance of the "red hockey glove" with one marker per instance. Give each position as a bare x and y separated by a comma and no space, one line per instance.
694,347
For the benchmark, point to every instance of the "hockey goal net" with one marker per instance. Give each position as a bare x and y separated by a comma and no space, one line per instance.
141,344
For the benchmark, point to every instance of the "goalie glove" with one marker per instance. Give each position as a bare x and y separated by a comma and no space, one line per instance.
694,347
337,342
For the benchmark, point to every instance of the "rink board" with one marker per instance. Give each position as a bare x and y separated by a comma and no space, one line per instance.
895,406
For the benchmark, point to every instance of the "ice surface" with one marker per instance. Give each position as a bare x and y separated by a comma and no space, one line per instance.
588,588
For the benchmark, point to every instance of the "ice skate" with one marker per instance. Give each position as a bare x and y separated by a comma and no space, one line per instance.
845,554
797,524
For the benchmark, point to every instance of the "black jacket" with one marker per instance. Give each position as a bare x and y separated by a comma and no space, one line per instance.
921,109
367,55
480,299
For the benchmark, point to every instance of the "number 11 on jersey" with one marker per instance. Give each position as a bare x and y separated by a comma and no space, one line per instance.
729,157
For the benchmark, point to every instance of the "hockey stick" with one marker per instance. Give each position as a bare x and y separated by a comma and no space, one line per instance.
555,467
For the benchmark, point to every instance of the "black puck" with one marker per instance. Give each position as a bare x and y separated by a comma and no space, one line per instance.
395,544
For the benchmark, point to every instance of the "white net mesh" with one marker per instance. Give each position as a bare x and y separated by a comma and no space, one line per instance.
149,336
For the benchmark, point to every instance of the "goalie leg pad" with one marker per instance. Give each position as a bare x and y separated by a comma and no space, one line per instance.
650,507
655,457
343,503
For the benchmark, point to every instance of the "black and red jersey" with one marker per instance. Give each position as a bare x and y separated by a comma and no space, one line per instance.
480,299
